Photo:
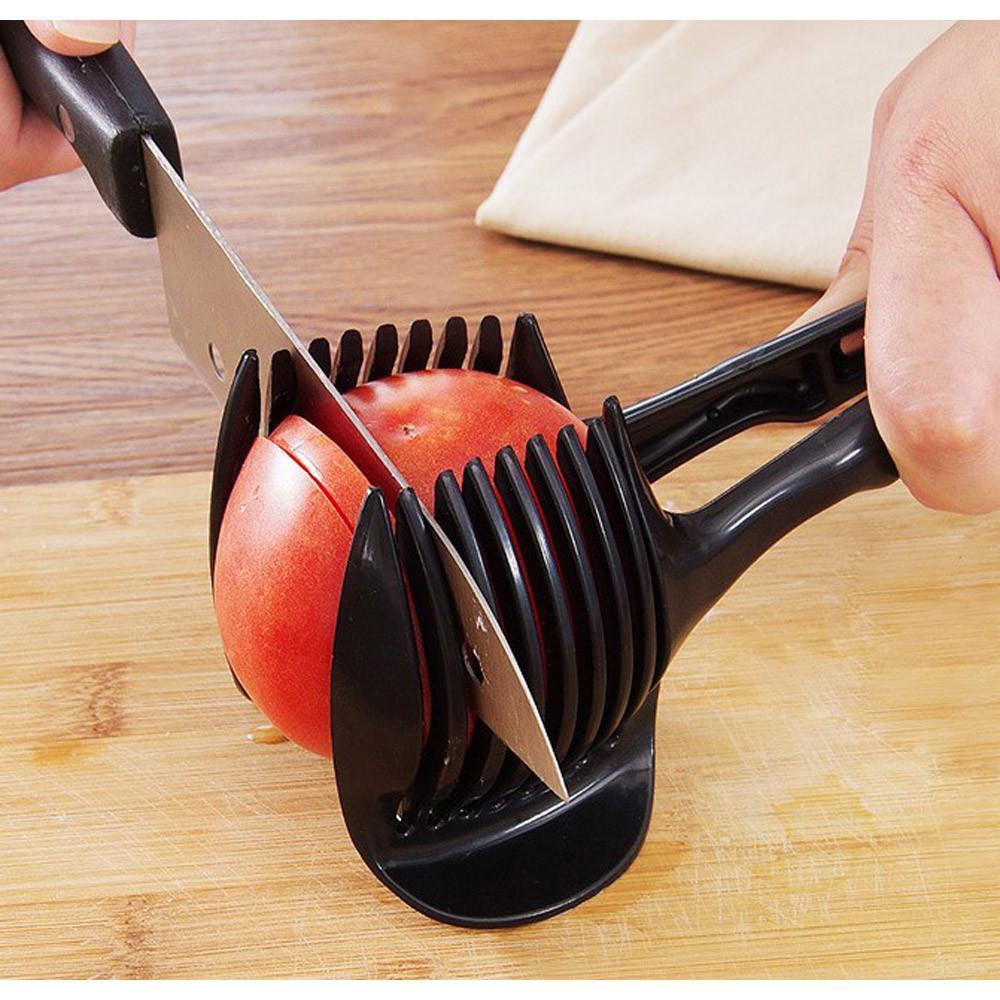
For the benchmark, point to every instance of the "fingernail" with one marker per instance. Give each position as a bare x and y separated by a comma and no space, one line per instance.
99,32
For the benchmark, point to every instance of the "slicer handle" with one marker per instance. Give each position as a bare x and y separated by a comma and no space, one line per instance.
797,376
103,105
713,546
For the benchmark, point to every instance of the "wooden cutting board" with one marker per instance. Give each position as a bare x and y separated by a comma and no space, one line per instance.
828,785
828,765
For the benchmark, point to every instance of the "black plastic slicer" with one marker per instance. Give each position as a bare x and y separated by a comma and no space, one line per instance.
455,825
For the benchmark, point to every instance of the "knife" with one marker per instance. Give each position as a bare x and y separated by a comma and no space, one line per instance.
109,113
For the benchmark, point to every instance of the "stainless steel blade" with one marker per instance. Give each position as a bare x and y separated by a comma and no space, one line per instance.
217,311
502,700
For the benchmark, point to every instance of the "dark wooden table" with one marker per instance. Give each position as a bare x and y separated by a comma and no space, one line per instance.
345,163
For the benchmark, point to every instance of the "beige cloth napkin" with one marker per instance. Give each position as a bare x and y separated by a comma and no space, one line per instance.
732,147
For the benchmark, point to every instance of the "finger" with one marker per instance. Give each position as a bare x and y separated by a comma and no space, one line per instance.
42,150
76,38
127,33
30,145
932,346
851,282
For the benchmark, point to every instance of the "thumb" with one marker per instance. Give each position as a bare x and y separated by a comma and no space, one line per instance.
932,350
76,38
851,283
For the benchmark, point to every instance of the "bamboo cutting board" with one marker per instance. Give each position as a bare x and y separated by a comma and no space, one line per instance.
827,787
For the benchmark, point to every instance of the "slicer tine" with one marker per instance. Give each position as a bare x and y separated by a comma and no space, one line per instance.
349,359
614,421
238,430
485,758
563,531
417,349
319,348
236,681
487,351
500,557
281,388
485,755
609,575
382,353
441,640
513,599
632,546
376,754
451,513
454,342
529,361
549,599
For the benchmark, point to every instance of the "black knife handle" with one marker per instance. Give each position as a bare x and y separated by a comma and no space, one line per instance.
103,105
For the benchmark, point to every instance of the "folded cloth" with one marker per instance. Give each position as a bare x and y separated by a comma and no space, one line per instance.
739,148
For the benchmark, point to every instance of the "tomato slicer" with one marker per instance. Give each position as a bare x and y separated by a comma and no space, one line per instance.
576,542
547,590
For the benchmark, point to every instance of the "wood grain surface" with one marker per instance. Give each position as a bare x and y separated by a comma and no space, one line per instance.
345,163
828,783
828,775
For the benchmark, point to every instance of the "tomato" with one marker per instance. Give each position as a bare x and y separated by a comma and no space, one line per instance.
279,567
438,419
287,529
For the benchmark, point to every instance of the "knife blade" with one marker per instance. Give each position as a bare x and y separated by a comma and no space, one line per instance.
217,311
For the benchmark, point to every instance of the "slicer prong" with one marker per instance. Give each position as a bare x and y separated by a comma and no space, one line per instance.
452,345
350,357
417,348
382,353
487,351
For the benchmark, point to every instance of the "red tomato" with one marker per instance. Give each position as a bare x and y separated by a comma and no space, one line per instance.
287,529
278,572
438,419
